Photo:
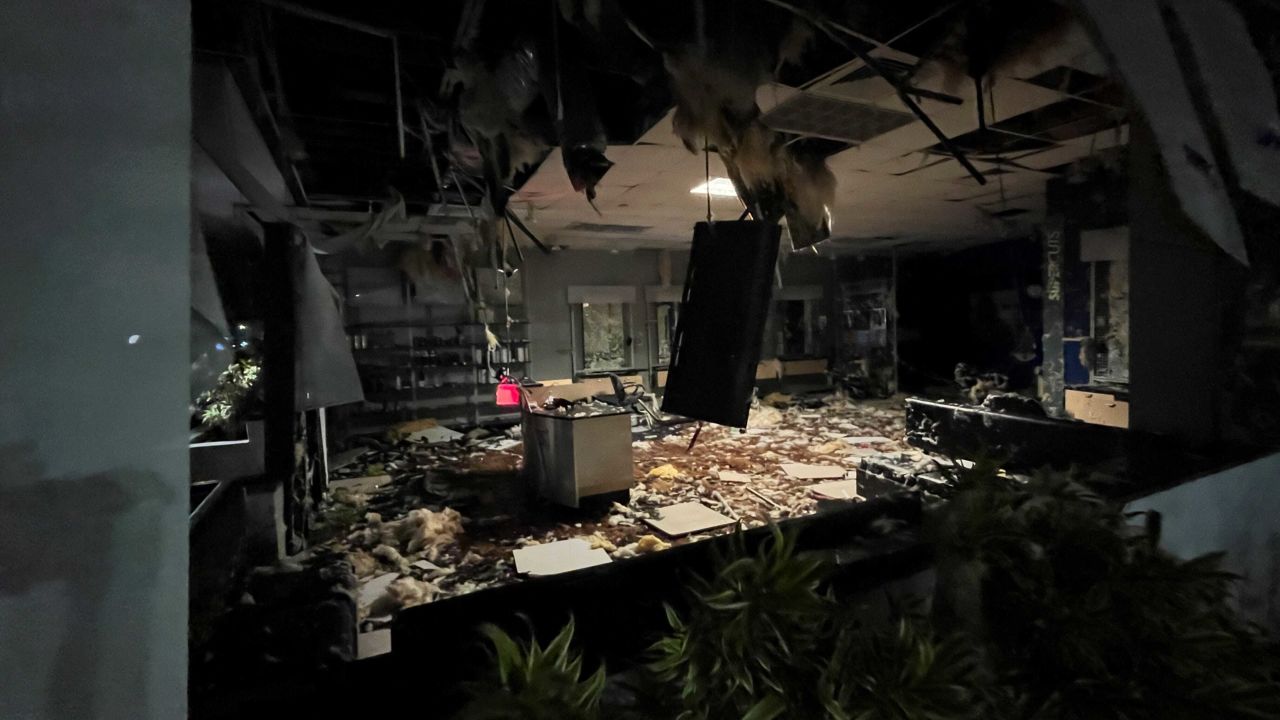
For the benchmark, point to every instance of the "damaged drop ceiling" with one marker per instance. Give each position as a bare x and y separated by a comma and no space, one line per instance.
588,123
895,184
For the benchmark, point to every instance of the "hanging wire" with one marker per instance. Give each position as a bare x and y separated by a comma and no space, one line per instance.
706,159
991,98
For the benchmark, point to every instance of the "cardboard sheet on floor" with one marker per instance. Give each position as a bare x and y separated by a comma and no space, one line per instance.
375,588
802,471
435,435
373,643
685,518
558,557
733,476
360,484
838,490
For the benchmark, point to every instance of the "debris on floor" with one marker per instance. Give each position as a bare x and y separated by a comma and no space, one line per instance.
685,518
837,490
558,557
803,471
456,516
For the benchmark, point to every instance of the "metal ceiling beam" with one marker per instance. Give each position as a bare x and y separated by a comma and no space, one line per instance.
321,16
827,26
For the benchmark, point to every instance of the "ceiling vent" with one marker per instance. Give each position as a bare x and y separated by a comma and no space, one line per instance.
607,228
807,113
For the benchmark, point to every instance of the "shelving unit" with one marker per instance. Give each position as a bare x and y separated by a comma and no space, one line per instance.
424,359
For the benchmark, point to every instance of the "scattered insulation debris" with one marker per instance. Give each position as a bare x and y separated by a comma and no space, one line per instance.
454,513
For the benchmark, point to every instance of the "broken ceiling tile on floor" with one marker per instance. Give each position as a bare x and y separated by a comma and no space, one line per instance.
812,472
369,644
733,477
435,435
865,439
558,557
688,517
375,588
837,490
360,484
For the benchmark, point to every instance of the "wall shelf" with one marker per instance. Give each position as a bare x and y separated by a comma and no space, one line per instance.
396,327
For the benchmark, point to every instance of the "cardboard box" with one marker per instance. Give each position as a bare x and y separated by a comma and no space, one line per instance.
804,367
768,370
1098,408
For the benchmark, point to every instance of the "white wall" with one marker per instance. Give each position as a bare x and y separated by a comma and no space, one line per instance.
546,286
547,279
1237,511
94,111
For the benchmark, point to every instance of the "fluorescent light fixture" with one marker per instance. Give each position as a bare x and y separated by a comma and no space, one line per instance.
716,187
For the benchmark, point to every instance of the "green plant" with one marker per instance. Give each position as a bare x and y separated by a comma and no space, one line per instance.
750,647
226,403
902,671
1084,616
535,682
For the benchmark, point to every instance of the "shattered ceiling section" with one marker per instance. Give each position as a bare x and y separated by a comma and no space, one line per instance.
526,125
1044,106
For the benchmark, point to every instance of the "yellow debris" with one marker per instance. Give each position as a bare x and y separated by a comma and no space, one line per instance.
665,472
362,563
406,592
599,542
406,429
776,399
830,448
763,417
651,543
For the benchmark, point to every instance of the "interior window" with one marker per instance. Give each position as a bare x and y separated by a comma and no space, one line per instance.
605,341
666,314
795,334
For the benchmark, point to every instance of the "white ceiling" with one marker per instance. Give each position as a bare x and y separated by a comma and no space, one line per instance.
876,205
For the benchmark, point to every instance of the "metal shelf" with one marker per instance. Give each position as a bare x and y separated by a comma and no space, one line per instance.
392,324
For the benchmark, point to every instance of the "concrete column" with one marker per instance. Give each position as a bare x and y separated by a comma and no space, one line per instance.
94,365
1176,296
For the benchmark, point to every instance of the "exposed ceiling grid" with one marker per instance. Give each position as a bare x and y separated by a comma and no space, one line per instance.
893,186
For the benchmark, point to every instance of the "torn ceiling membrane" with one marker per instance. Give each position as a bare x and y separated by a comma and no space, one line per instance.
1239,92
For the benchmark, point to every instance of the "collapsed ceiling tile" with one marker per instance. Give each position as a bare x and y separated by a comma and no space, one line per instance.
810,113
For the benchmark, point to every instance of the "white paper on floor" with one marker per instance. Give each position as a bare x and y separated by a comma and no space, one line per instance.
375,588
838,490
812,472
558,557
373,643
688,517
